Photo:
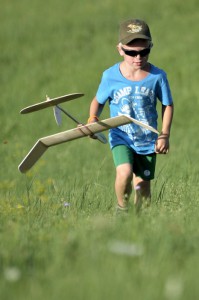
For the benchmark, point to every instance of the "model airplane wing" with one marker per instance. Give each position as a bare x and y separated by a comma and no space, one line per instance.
85,130
50,102
144,125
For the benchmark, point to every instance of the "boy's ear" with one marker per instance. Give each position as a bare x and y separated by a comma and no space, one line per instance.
119,48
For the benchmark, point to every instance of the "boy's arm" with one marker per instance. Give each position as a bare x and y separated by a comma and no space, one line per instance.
162,143
95,110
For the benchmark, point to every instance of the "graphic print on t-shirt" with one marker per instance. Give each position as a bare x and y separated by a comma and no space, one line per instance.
137,103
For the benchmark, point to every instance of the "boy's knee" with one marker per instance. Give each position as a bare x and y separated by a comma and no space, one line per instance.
124,173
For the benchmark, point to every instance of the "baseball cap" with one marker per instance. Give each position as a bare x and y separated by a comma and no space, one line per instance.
133,29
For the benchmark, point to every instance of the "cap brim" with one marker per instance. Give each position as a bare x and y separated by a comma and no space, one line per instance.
129,38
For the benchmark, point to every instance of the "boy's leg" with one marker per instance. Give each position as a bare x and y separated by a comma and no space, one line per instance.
123,183
144,169
142,191
123,159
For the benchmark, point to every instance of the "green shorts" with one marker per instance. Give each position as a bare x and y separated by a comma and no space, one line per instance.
143,165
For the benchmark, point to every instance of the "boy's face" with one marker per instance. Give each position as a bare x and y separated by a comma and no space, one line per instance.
135,53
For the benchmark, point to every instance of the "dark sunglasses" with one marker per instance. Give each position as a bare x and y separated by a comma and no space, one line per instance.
134,53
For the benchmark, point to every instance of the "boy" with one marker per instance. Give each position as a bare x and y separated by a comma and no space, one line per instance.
132,87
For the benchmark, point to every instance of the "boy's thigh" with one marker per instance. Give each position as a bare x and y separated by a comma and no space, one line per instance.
143,165
122,155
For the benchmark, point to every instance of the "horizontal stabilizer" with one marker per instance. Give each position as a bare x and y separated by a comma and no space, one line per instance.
50,102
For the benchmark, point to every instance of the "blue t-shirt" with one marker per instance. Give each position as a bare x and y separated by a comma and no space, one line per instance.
136,99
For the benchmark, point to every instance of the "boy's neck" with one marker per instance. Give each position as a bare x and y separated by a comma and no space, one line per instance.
133,74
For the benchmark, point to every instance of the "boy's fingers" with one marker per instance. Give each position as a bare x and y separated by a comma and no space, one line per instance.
161,151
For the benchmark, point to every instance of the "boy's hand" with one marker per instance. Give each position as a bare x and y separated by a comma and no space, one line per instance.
92,119
162,144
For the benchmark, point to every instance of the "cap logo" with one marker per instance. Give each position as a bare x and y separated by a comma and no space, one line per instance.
134,28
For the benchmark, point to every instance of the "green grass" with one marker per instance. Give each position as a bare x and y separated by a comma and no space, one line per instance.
58,230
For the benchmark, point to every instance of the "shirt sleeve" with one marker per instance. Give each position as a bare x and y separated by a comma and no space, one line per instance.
164,93
102,94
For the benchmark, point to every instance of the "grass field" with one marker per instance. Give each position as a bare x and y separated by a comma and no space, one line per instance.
60,238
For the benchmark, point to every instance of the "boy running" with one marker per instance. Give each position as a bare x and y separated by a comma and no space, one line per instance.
132,88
